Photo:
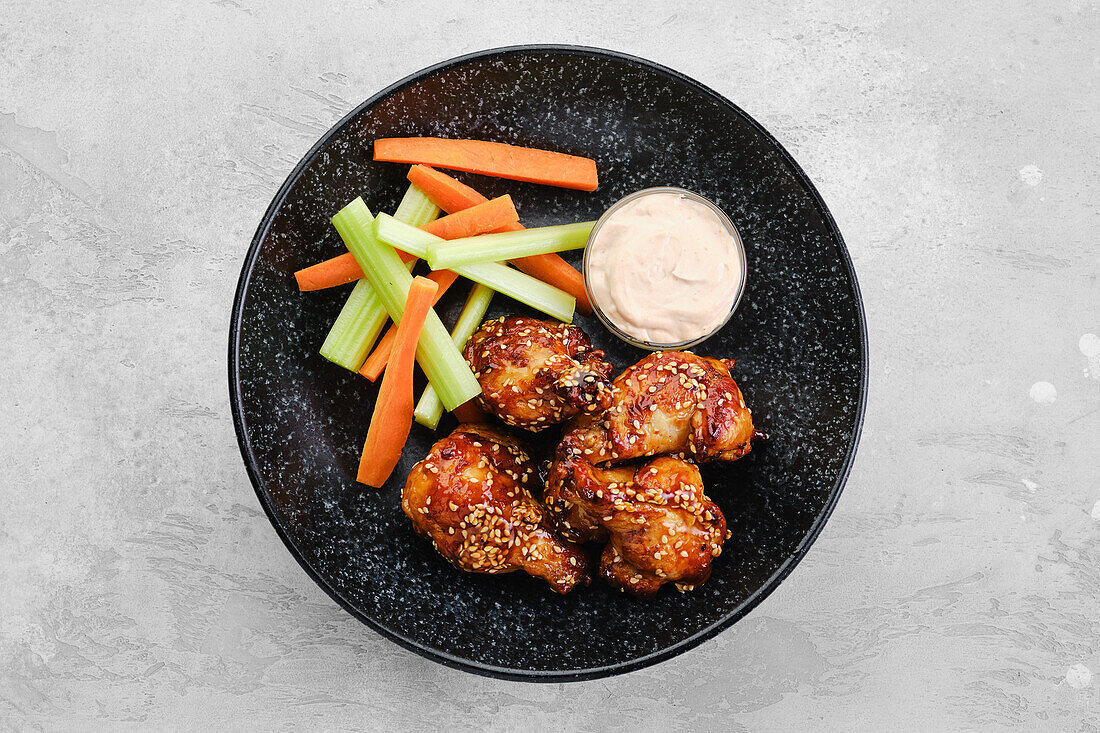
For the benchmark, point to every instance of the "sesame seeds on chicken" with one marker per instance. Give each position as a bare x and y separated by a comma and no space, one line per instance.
668,403
535,374
469,496
658,525
476,495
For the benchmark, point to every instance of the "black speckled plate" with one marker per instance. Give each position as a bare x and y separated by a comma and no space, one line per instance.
798,338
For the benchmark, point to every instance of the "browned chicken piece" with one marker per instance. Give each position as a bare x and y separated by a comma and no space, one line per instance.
470,497
659,525
535,374
672,402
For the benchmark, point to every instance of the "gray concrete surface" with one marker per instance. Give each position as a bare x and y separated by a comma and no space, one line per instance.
956,587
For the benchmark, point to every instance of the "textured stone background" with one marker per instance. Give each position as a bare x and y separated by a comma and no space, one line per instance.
957,585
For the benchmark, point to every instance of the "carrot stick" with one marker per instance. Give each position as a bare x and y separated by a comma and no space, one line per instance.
478,219
376,362
336,271
392,418
327,274
451,195
492,159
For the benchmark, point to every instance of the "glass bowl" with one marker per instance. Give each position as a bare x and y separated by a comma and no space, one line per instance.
739,251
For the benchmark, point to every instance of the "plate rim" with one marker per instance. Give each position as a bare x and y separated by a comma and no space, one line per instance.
437,655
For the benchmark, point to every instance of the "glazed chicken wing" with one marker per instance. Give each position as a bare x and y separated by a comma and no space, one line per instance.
535,374
659,525
671,402
470,497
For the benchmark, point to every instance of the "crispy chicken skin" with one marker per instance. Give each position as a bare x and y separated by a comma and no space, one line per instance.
470,497
535,373
671,402
658,524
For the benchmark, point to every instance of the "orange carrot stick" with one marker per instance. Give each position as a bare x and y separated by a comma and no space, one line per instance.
492,159
478,219
450,195
336,271
376,362
392,418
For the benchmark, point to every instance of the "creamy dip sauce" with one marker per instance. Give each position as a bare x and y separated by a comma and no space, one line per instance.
664,268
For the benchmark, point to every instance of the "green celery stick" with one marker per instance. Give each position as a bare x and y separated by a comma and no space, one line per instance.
508,245
416,208
362,318
429,409
501,278
356,328
435,352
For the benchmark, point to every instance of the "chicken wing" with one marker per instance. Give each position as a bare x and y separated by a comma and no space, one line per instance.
470,497
535,374
672,402
659,525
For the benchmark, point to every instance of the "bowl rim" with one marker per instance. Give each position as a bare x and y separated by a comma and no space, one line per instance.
726,221
437,655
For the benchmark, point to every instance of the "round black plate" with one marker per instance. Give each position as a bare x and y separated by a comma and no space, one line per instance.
798,338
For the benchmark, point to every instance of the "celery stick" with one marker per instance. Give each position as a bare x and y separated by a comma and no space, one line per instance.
522,287
362,318
435,352
416,208
429,409
403,237
508,245
500,278
356,328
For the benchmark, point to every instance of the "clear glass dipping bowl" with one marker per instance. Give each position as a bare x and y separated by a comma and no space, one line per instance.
739,251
